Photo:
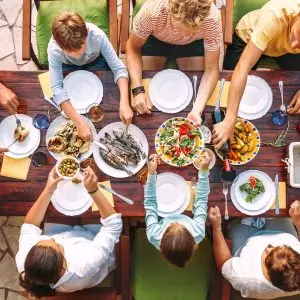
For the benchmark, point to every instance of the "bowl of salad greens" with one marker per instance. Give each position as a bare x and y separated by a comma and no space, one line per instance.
178,142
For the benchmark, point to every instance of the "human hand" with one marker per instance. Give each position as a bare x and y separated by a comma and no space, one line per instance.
205,160
8,99
294,212
142,104
3,150
126,114
195,117
152,163
53,180
222,132
84,131
90,180
214,217
294,106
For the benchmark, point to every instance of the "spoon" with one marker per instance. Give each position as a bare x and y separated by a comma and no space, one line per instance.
282,106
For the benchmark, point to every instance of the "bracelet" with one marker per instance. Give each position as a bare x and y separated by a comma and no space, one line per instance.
138,90
93,192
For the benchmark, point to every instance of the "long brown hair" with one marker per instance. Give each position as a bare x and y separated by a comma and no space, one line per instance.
177,245
43,266
283,265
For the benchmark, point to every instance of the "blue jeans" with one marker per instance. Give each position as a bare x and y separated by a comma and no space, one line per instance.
99,64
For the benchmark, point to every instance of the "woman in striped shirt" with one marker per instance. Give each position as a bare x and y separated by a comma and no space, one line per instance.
183,30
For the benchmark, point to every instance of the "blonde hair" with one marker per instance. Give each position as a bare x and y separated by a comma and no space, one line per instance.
190,13
69,30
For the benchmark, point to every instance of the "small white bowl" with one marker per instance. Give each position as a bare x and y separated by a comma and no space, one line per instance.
212,159
61,160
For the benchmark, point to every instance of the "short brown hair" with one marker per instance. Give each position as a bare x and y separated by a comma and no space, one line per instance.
283,265
191,13
69,31
177,245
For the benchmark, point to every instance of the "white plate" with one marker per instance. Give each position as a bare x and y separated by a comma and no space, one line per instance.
19,149
170,191
257,99
261,203
71,199
84,88
182,98
184,202
139,136
58,124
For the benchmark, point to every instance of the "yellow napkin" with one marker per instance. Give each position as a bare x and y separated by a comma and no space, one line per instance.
44,79
15,168
213,98
145,83
281,196
191,204
107,195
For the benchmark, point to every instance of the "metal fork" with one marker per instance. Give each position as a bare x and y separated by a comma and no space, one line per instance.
18,121
225,192
195,79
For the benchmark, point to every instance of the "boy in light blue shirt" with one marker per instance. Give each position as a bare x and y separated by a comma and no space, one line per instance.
177,236
77,43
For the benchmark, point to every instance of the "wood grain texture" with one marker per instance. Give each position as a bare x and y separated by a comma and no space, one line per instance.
16,196
113,24
125,20
26,31
228,22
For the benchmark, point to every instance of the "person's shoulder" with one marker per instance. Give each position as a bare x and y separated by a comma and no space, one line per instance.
53,48
94,30
154,8
214,14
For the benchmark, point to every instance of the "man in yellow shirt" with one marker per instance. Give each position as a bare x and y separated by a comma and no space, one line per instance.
273,30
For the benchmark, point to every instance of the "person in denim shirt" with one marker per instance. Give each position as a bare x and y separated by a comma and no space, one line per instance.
176,236
76,43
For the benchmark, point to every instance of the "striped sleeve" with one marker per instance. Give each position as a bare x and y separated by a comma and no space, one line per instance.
212,29
142,23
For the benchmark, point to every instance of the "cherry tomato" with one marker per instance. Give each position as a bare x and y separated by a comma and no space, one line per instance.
252,182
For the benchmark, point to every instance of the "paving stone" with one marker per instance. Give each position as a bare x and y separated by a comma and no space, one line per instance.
2,294
9,277
2,220
7,40
31,66
17,32
12,236
8,64
19,21
2,23
15,296
3,245
15,221
11,10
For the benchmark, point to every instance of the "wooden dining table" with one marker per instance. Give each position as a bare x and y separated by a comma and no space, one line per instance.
17,196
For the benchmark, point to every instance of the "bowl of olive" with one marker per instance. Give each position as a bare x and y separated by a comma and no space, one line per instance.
67,167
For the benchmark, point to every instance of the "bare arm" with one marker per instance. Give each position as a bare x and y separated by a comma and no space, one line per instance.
294,213
135,68
91,185
126,113
37,212
207,84
221,250
249,58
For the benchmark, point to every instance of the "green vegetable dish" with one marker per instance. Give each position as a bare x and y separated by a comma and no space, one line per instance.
253,188
178,142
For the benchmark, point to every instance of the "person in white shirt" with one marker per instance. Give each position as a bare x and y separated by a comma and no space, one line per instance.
266,263
67,258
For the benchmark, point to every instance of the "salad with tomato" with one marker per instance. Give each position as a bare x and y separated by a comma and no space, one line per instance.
178,141
253,188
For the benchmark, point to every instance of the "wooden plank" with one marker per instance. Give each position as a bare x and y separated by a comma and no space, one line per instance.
229,22
113,24
26,31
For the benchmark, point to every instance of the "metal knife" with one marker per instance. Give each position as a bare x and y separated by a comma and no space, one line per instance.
106,188
100,145
277,192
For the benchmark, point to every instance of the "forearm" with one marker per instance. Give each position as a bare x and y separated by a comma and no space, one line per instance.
237,87
71,112
123,87
134,64
221,250
37,212
297,226
103,205
207,85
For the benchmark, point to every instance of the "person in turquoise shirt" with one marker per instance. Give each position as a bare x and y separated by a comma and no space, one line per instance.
176,236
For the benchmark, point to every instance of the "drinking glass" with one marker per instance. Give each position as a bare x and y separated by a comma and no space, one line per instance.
39,159
279,117
95,113
41,121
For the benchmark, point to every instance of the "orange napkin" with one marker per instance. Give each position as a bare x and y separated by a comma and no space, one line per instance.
145,83
213,98
281,196
107,195
15,168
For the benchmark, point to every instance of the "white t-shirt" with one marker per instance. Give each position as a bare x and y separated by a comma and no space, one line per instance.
88,257
245,272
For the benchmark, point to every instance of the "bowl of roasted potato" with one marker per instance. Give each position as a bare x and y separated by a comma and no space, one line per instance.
245,143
